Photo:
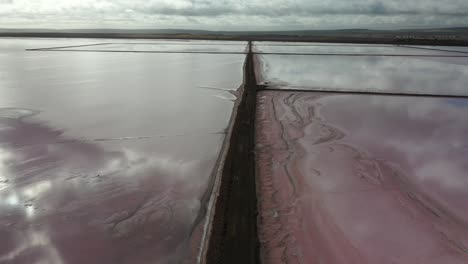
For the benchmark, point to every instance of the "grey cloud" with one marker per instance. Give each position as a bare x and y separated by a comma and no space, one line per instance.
330,7
255,14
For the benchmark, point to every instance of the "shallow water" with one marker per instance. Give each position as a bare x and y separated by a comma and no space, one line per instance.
108,158
362,49
164,47
411,75
362,179
445,48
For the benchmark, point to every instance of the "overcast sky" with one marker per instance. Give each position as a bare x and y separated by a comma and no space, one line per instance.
233,15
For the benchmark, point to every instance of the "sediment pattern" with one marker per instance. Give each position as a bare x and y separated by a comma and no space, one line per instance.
329,195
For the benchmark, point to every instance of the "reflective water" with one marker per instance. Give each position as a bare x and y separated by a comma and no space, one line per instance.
414,75
166,47
362,179
297,48
108,158
297,44
445,48
20,44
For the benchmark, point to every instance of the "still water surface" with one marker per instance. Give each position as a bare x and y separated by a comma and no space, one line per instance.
108,158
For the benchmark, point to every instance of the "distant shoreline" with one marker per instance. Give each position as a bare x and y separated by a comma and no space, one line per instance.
395,38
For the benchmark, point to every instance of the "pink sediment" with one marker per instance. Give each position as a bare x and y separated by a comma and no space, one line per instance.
330,192
83,202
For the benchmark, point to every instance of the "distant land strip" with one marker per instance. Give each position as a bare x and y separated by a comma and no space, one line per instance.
334,37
